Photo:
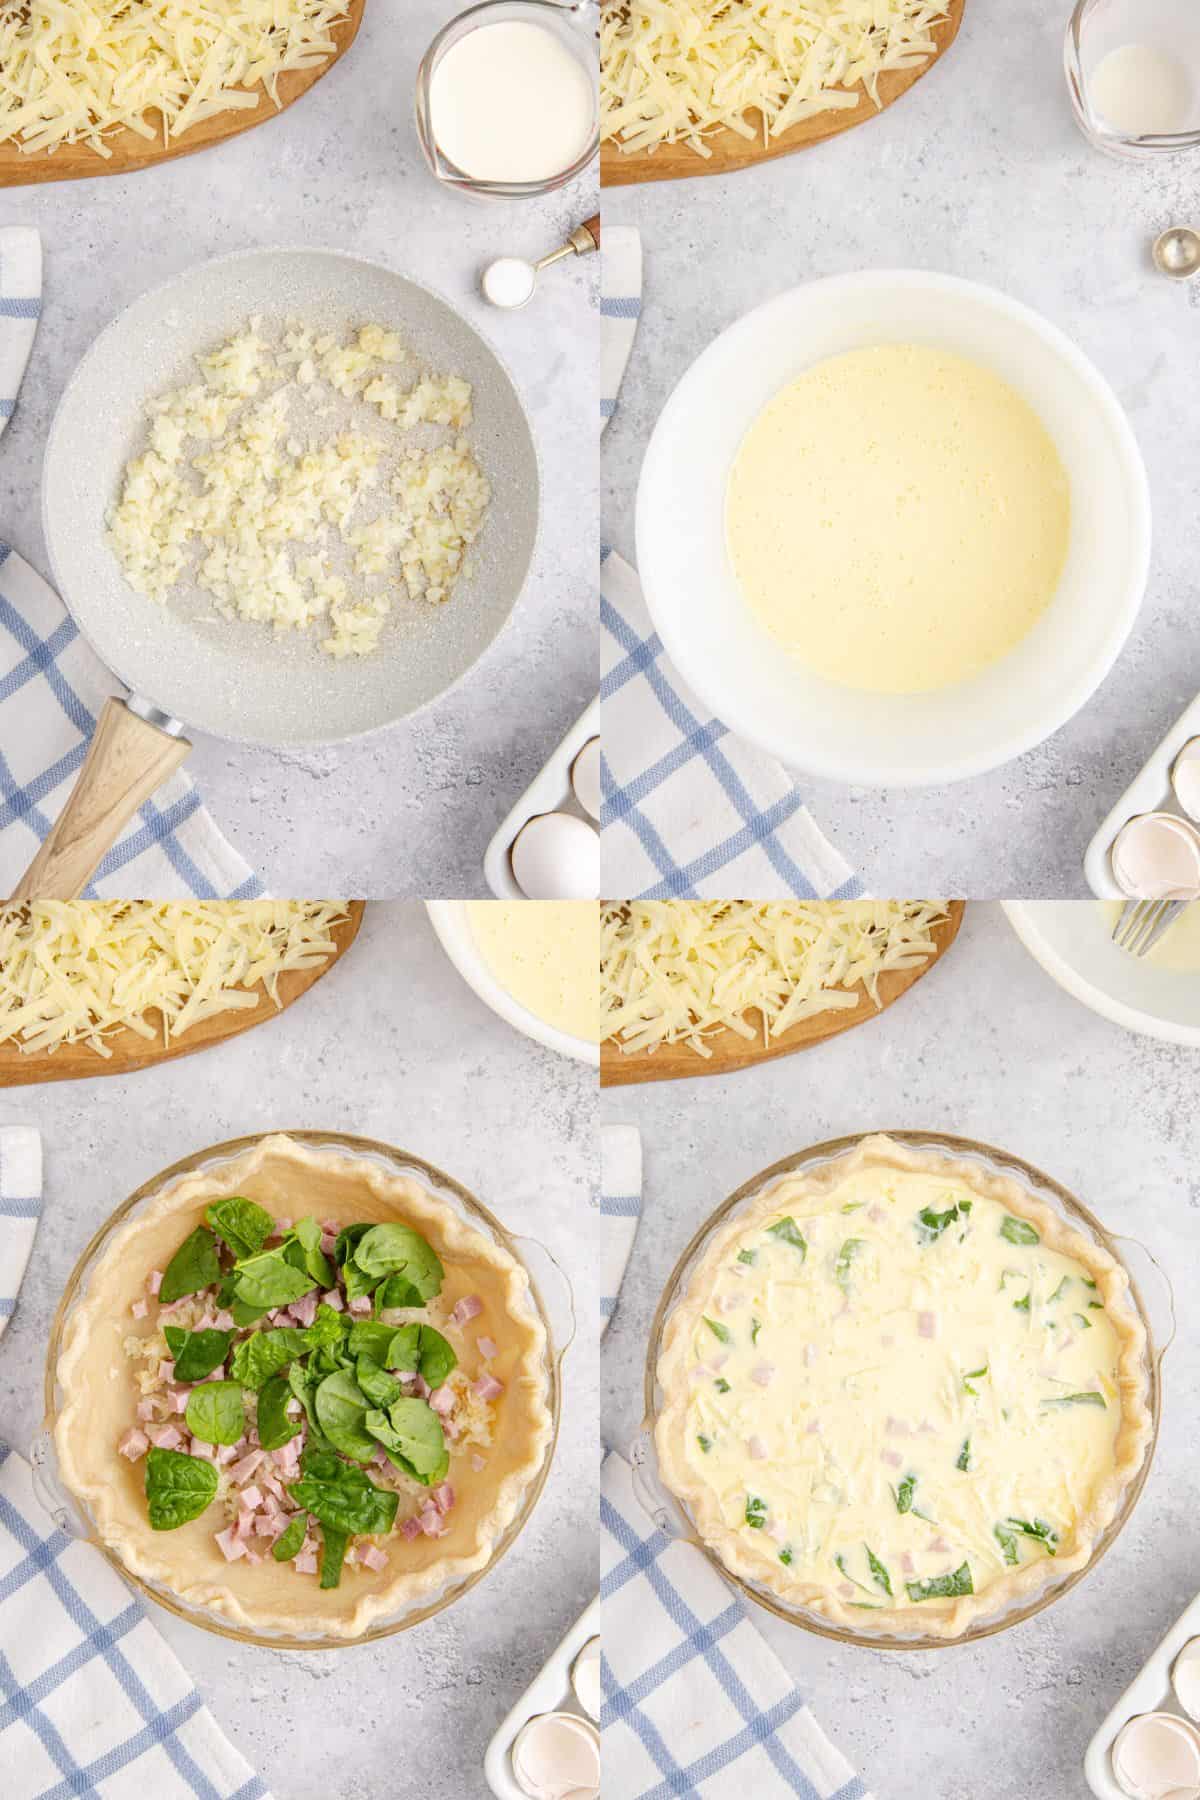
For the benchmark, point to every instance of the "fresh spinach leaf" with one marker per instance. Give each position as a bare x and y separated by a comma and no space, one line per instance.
391,1346
196,1353
341,1408
785,1555
1037,1529
1059,1291
241,1224
261,1355
269,1280
215,1412
930,1225
975,1375
719,1331
1018,1231
942,1587
788,1232
194,1267
287,1546
329,1329
396,1250
749,1257
1008,1544
1022,1305
1083,1323
964,1457
395,1292
755,1328
878,1570
375,1383
342,1497
721,1385
840,1560
307,1233
849,1253
904,1494
705,1443
756,1512
178,1487
411,1433
438,1360
1091,1398
333,1555
275,1426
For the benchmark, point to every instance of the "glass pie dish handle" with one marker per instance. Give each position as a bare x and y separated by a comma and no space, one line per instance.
554,1290
656,1500
1157,1292
54,1498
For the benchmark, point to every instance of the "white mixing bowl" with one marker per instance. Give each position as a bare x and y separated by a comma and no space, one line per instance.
1072,939
452,923
743,674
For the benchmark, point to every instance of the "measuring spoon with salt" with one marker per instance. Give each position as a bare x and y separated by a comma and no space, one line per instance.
509,282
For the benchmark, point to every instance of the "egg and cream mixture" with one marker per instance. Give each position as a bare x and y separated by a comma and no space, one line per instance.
898,518
894,1391
546,954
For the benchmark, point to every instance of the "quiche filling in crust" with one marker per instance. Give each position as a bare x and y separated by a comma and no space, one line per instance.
902,1391
303,1391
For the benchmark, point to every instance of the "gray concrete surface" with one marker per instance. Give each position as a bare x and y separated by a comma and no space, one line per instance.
978,172
393,1045
987,1046
407,811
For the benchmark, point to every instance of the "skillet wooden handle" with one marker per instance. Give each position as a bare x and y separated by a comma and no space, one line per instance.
127,759
592,227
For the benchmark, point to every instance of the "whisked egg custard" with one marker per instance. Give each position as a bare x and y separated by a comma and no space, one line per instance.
898,518
902,1390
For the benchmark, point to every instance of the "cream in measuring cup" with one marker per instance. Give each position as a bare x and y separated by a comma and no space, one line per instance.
510,102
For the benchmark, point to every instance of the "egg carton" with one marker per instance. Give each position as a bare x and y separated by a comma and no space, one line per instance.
551,1691
1149,791
551,791
1149,1691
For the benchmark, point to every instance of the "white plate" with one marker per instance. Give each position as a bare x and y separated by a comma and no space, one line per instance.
1072,939
739,670
551,1691
1149,1691
551,791
450,921
1150,791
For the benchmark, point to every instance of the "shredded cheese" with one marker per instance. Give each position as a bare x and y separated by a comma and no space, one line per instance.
675,71
75,71
676,971
74,972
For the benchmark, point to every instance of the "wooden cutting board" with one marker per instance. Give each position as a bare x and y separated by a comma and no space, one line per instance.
673,162
73,162
76,1062
674,1062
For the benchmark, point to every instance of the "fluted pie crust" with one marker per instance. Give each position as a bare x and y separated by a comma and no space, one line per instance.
752,1555
99,1397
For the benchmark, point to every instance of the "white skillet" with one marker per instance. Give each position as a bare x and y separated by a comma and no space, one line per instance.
232,679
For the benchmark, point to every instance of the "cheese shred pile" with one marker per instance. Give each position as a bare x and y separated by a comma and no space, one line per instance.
74,972
676,971
75,71
675,71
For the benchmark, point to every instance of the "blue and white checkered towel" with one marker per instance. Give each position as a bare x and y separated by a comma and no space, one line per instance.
52,687
696,1706
620,308
620,1208
20,1209
687,811
92,1700
20,306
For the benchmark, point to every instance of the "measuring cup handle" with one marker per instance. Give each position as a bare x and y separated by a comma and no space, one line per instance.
127,759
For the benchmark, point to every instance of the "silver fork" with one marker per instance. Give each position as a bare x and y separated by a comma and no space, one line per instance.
1143,922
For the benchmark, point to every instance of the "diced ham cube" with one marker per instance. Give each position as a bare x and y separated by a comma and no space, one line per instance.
330,1225
224,1321
813,1428
443,1497
231,1544
265,1527
487,1387
166,1437
411,1528
897,1427
226,1453
442,1399
331,1297
179,1399
431,1521
907,1563
469,1307
139,1309
273,1487
489,1349
926,1324
304,1310
417,1384
166,1371
374,1557
756,1449
250,1497
764,1374
360,1304
478,1463
891,1457
135,1443
306,1562
154,1281
243,1469
328,1242
146,1410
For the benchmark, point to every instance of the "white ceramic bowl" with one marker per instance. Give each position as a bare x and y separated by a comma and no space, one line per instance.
739,670
450,920
1072,940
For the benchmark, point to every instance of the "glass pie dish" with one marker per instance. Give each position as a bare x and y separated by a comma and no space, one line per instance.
548,1296
669,1514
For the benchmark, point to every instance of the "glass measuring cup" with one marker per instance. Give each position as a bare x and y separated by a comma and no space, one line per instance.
575,25
1140,59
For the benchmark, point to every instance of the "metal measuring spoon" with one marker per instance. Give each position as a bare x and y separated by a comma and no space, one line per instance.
1177,252
509,281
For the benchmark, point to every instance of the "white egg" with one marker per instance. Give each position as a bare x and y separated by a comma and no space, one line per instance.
585,777
557,857
585,1677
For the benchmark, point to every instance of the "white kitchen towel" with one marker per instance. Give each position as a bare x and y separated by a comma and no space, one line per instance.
620,309
52,687
20,308
20,1209
695,1702
620,1207
688,811
92,1699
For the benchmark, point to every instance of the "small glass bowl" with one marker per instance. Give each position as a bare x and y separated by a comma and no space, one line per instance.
574,24
666,1511
551,1298
1098,27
